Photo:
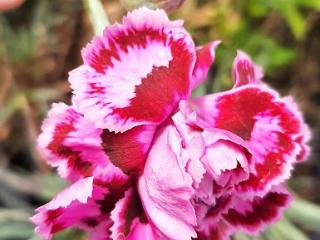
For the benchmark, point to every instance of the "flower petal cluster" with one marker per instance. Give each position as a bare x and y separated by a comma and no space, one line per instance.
145,160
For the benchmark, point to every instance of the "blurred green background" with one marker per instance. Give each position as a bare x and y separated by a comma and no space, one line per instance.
41,41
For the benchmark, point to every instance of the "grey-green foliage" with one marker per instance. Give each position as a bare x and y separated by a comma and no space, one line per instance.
290,10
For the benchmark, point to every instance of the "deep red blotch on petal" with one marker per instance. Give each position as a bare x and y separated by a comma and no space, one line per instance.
264,211
237,111
128,150
73,157
159,92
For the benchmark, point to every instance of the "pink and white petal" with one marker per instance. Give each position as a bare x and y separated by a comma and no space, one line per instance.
244,71
64,210
192,145
165,190
303,138
255,215
266,122
141,231
240,109
205,58
71,143
101,231
136,73
224,156
194,166
210,145
86,204
273,168
128,150
127,212
219,231
212,213
203,198
114,183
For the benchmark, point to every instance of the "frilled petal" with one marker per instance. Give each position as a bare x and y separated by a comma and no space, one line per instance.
220,153
303,139
101,231
212,213
305,135
265,121
86,204
77,148
227,158
141,231
165,189
220,231
136,73
129,221
128,150
205,58
255,215
71,143
193,146
244,71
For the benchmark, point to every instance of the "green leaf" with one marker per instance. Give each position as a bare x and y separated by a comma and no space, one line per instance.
15,230
314,4
305,214
199,91
257,8
287,231
49,185
241,236
295,20
13,104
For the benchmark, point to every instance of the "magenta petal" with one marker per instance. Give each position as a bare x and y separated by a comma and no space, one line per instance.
128,150
244,71
141,231
71,143
128,218
255,215
136,73
304,137
220,231
64,210
101,231
165,189
222,154
205,58
86,205
303,141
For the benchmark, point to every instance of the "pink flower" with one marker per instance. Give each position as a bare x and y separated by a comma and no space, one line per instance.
146,162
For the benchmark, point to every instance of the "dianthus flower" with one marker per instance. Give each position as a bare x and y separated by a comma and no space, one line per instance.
147,161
